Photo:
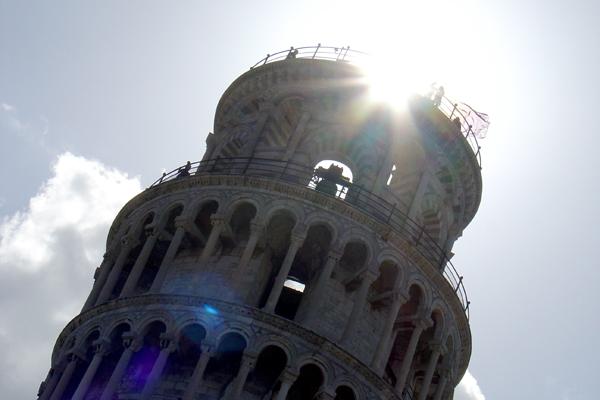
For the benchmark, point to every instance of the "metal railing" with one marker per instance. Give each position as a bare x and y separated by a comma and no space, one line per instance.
343,54
472,124
351,194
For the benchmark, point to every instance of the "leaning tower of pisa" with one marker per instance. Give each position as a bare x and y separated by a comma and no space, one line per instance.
307,256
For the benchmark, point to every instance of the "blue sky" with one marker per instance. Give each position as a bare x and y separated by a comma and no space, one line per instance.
130,88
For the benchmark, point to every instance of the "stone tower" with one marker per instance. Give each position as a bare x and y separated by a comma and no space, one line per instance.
262,272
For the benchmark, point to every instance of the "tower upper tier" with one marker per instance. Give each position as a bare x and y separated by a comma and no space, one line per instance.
302,111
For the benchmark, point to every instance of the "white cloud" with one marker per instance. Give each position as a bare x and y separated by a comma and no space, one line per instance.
468,389
48,254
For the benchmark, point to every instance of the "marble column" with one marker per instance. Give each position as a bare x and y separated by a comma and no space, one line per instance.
181,224
65,378
287,380
436,351
384,347
115,271
104,271
441,386
295,244
316,295
256,230
198,374
167,347
48,384
420,326
359,304
140,264
131,346
100,348
237,385
218,224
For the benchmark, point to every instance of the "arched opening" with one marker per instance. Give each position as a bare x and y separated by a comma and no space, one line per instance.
277,241
182,362
309,259
382,289
404,329
158,251
331,177
308,383
263,379
344,393
109,362
238,233
82,364
195,239
351,265
144,230
223,366
143,360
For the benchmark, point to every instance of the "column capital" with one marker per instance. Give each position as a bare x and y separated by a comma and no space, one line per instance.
297,239
184,222
76,354
256,227
289,376
167,343
101,346
423,322
249,359
131,341
370,275
335,254
400,296
128,240
217,220
437,346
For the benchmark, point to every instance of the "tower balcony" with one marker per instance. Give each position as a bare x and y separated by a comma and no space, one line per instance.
325,183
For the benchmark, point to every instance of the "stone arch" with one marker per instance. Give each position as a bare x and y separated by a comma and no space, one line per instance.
316,359
355,259
312,377
416,280
142,361
180,325
239,216
183,360
197,233
303,273
276,241
394,257
233,327
84,333
358,235
273,207
164,232
334,147
287,346
237,201
113,337
389,280
345,391
165,211
322,218
158,316
225,362
271,361
116,323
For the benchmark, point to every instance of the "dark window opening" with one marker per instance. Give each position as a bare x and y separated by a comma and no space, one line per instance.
269,366
308,383
224,365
